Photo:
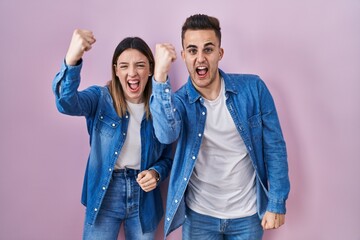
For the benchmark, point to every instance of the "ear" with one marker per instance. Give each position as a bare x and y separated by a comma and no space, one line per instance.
183,55
221,53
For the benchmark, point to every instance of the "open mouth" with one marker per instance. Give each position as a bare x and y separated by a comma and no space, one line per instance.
201,71
134,85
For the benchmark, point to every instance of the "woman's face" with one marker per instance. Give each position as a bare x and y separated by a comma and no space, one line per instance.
133,70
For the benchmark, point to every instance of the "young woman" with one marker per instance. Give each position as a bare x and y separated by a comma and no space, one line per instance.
126,162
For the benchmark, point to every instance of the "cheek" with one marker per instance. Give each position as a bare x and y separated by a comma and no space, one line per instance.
188,63
145,80
122,82
117,73
145,77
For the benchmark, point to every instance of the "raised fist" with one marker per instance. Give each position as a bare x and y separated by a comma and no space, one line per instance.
81,41
165,54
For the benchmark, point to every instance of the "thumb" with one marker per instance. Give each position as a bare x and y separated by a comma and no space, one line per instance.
263,223
140,175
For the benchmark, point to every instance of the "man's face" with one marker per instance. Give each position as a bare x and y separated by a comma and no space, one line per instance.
202,53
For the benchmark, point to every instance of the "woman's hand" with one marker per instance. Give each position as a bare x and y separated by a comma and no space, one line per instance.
81,41
148,180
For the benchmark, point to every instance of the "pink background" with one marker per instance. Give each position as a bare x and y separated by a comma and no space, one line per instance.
308,53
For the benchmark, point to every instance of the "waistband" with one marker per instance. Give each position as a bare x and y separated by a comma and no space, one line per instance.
127,172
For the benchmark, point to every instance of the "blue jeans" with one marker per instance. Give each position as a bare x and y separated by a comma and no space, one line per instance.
198,227
120,205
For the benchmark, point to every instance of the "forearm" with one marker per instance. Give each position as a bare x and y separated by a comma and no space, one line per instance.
166,118
68,99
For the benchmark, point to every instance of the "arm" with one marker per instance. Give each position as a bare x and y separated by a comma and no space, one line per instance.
275,158
67,81
166,116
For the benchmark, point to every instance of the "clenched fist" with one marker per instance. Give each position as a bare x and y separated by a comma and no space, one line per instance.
272,220
148,179
165,54
81,41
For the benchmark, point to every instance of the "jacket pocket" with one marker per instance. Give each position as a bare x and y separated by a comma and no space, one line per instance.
106,125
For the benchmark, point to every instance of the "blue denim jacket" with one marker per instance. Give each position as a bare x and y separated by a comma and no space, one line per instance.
181,116
107,135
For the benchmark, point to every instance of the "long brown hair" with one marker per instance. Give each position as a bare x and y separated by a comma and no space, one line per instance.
114,85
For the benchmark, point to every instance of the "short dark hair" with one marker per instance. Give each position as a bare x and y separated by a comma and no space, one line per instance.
201,22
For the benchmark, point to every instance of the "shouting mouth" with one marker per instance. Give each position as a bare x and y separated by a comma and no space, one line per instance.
134,85
201,71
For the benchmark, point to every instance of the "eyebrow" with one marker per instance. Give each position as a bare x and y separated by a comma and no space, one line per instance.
141,61
191,46
206,45
209,44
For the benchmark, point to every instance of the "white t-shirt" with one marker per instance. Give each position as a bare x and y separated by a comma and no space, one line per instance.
130,155
223,181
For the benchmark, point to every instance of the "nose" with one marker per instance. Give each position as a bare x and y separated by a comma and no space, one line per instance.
200,57
132,71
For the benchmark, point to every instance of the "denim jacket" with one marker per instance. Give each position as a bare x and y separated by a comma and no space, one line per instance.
107,135
181,116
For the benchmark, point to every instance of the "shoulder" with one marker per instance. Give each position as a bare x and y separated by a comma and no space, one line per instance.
236,81
241,78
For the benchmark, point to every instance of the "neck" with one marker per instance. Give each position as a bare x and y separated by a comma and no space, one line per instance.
212,91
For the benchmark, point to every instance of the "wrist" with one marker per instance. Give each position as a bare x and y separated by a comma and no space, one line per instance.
160,77
156,175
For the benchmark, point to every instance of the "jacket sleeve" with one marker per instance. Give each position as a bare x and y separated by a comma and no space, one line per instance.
165,113
67,97
275,155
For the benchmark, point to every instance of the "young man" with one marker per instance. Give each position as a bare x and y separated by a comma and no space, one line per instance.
229,178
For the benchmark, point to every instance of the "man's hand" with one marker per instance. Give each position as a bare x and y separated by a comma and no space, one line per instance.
81,41
165,54
272,220
147,180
